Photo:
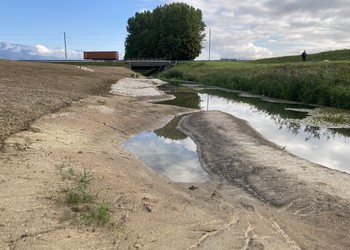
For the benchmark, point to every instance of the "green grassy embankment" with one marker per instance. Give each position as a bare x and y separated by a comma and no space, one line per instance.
316,81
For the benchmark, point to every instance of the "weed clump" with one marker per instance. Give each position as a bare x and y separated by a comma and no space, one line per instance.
79,197
99,214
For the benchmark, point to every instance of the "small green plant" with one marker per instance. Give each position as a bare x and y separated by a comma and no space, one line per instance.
73,197
85,179
71,172
78,194
100,214
339,119
173,74
66,174
60,167
336,116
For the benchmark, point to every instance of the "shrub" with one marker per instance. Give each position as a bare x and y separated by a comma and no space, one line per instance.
173,74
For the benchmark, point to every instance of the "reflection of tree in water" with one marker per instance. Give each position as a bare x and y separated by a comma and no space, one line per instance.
343,131
312,132
169,131
281,114
292,127
318,132
185,99
260,104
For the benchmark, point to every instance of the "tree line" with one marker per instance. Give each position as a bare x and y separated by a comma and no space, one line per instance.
173,31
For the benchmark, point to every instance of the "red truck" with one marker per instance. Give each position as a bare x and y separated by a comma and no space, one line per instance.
101,55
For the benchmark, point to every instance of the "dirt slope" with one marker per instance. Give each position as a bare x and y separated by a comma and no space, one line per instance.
29,90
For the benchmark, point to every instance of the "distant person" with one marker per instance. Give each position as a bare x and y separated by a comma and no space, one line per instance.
304,55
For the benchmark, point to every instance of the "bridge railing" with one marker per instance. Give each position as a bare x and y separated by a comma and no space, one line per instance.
146,59
150,62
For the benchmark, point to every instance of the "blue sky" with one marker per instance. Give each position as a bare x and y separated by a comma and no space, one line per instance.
249,29
89,25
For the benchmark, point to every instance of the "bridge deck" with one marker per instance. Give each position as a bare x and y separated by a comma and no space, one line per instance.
149,63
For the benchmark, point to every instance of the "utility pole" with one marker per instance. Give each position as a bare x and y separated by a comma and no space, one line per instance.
209,42
208,96
65,45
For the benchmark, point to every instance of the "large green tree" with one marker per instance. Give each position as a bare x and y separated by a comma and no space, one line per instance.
173,31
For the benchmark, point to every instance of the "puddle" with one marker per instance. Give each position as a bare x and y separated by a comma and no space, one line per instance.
169,152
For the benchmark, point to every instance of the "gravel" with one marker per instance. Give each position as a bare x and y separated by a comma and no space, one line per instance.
137,87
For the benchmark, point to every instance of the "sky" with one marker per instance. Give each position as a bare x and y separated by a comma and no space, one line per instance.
249,29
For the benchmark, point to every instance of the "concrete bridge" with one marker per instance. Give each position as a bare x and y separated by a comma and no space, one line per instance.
150,63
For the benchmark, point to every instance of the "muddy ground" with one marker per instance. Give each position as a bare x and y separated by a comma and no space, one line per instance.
59,122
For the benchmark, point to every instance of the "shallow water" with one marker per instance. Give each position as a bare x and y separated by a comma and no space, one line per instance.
169,152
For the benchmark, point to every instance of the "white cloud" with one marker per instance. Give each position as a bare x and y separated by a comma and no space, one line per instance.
268,28
41,49
37,52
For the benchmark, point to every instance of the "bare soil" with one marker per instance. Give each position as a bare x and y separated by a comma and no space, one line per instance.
57,118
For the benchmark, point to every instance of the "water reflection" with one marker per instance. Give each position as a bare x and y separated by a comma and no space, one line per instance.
281,124
278,110
169,131
184,99
320,145
169,152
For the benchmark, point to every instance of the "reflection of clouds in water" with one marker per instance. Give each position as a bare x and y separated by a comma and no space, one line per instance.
239,109
184,171
327,152
190,145
187,143
177,160
321,146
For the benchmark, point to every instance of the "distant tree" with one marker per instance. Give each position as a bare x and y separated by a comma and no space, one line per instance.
173,31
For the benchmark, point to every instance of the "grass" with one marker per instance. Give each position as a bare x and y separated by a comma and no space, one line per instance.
100,215
335,55
335,116
66,174
321,82
78,194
